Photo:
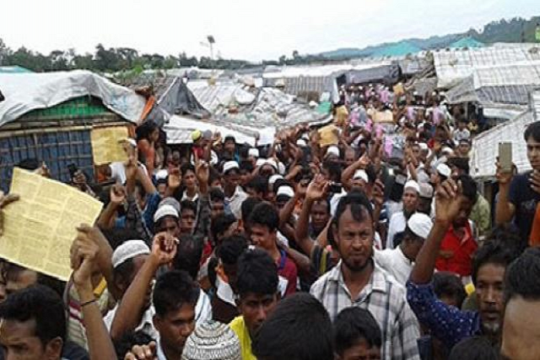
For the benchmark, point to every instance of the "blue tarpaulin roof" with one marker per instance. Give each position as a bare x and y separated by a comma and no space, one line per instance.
466,42
400,49
14,70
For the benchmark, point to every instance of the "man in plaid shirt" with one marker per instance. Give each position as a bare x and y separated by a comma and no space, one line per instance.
358,281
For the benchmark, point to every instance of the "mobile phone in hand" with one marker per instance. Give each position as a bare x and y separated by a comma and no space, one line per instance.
505,156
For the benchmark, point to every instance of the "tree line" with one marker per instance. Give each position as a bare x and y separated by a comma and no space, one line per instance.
111,60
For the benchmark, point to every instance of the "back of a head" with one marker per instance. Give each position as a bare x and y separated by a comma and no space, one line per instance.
265,214
41,304
469,187
460,163
221,223
172,290
354,324
522,277
232,248
188,255
247,207
475,348
257,273
447,285
30,164
298,329
496,251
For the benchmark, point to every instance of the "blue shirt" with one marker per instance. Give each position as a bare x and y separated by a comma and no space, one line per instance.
447,323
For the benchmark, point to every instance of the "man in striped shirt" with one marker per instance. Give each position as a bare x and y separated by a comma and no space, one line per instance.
358,281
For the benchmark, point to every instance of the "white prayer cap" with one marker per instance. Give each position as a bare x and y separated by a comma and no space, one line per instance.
301,143
426,191
447,150
332,150
129,250
230,165
254,152
260,162
420,224
411,184
272,163
423,146
171,202
285,191
444,170
272,180
163,211
162,174
361,175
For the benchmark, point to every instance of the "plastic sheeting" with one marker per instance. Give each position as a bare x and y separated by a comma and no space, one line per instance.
179,130
26,92
485,146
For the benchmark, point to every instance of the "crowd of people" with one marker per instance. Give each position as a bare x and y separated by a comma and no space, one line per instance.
363,239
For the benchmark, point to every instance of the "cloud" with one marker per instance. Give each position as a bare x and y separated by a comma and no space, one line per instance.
248,29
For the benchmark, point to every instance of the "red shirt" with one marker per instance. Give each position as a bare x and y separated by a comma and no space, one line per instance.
463,250
287,270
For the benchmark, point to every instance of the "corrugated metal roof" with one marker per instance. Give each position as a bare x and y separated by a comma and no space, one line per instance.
455,65
504,84
485,146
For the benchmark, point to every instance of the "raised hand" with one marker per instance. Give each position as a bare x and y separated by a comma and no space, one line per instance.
118,194
202,171
317,189
378,193
143,352
164,247
364,161
174,180
504,177
83,254
448,201
5,200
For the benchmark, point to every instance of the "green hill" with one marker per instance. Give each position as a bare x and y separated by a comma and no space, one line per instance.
513,30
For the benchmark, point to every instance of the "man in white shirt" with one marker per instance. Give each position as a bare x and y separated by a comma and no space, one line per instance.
398,262
234,195
398,221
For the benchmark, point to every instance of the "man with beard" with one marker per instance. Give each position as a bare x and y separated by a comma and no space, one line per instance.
398,221
258,294
358,281
445,322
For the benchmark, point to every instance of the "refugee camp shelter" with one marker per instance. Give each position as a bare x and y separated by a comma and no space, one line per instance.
455,65
50,116
312,82
169,96
243,111
485,146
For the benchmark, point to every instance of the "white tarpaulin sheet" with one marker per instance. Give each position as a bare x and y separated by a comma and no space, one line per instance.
27,92
179,130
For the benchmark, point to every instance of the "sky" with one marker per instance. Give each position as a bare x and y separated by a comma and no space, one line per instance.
244,29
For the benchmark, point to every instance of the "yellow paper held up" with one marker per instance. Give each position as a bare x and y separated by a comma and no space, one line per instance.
107,144
40,228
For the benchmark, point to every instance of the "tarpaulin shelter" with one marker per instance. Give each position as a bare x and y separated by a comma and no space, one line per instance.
454,65
172,97
485,146
243,111
50,116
